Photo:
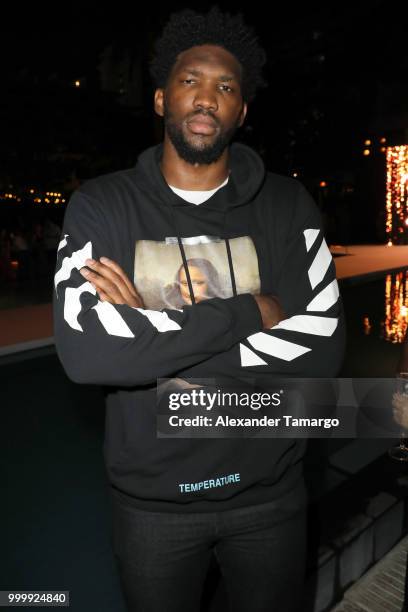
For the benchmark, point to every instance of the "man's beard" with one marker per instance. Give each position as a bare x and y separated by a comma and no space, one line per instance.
207,154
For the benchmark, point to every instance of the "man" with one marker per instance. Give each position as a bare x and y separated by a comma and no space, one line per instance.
196,195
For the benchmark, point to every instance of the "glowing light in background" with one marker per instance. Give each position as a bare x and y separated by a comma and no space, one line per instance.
395,324
49,197
396,205
367,326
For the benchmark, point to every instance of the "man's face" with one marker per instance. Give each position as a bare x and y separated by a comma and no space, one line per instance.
202,103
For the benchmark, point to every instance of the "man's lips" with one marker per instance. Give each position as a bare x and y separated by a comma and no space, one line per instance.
202,125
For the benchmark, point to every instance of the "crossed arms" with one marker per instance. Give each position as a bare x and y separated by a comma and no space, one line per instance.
105,335
115,287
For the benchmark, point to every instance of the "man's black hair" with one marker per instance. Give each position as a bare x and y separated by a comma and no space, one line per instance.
187,28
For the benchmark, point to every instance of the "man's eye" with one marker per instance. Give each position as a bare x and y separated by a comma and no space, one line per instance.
187,81
227,87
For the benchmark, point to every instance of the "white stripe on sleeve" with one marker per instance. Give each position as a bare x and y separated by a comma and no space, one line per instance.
249,358
320,264
63,242
77,260
309,324
112,321
276,347
310,237
160,320
326,298
72,304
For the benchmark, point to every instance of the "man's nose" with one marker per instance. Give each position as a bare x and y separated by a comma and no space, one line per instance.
206,98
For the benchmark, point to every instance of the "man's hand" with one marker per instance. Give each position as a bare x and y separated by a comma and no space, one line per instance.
400,409
271,310
111,282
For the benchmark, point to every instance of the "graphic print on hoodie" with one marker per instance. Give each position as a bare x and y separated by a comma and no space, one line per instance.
178,272
127,349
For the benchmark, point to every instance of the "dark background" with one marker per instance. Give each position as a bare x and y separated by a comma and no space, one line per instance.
336,73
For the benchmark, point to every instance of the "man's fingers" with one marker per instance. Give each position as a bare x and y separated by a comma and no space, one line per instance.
105,297
116,268
104,284
103,270
111,292
110,279
108,273
111,270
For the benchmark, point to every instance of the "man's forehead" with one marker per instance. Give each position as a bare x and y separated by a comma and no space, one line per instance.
208,55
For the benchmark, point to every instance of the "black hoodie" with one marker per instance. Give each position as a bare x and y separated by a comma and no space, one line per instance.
196,268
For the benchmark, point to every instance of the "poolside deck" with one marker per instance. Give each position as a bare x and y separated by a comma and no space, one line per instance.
353,263
368,261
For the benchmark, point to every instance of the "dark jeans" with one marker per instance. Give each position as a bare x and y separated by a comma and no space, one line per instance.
163,557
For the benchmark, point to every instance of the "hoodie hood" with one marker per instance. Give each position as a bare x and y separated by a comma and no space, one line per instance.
247,175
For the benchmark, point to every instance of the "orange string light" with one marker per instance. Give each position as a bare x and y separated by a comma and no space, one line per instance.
396,205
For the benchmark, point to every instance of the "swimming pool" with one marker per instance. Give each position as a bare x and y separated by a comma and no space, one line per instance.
377,321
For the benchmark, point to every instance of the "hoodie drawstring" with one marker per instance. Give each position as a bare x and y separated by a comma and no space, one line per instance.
186,269
228,247
183,255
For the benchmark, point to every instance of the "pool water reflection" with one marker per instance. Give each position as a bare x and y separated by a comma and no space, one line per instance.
396,306
377,322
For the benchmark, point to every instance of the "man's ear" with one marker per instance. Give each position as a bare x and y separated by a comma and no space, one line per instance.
242,114
159,101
